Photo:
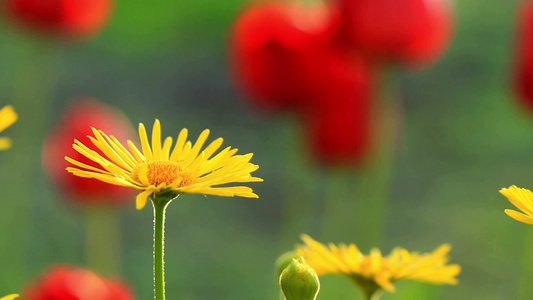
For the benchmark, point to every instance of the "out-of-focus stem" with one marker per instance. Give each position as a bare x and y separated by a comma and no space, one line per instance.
102,240
356,209
356,206
33,80
300,206
526,277
374,296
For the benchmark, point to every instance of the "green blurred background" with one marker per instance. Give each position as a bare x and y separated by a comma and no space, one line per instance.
463,138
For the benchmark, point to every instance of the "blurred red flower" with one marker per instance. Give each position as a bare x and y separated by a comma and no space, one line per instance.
289,57
273,49
69,18
405,31
338,125
76,123
73,283
524,62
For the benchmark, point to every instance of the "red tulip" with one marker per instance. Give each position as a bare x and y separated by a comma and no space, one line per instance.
273,50
72,283
408,31
435,34
524,63
70,18
339,122
76,123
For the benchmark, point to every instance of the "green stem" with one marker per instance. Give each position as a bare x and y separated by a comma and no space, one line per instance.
524,288
355,210
299,211
160,207
373,185
102,240
373,296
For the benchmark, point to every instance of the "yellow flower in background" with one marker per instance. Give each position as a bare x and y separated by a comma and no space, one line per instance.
8,116
374,272
158,170
9,297
521,198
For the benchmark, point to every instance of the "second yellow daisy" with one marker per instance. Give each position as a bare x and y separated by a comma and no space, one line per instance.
375,272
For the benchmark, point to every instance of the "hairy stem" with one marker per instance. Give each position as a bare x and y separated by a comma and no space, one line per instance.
159,247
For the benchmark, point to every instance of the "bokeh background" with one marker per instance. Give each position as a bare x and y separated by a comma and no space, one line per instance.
464,136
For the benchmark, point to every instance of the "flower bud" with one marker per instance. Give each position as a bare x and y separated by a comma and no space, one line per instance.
284,261
299,281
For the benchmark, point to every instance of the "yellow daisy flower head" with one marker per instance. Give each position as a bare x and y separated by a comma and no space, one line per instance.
374,271
160,171
9,297
521,198
8,116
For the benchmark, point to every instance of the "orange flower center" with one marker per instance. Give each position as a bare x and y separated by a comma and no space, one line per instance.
162,171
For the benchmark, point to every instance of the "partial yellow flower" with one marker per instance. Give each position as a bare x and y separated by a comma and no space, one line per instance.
9,297
374,271
521,198
8,116
158,170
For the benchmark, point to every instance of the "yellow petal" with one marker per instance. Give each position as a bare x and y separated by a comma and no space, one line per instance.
209,150
5,143
84,166
145,145
10,297
110,153
120,149
156,140
142,198
138,155
197,146
8,116
165,151
385,283
212,163
180,142
104,143
143,174
519,197
519,216
109,178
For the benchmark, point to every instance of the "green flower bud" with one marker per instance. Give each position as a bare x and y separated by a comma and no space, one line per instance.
284,261
299,281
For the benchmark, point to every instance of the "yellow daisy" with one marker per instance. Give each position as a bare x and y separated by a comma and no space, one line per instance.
8,116
374,272
9,297
521,198
158,171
